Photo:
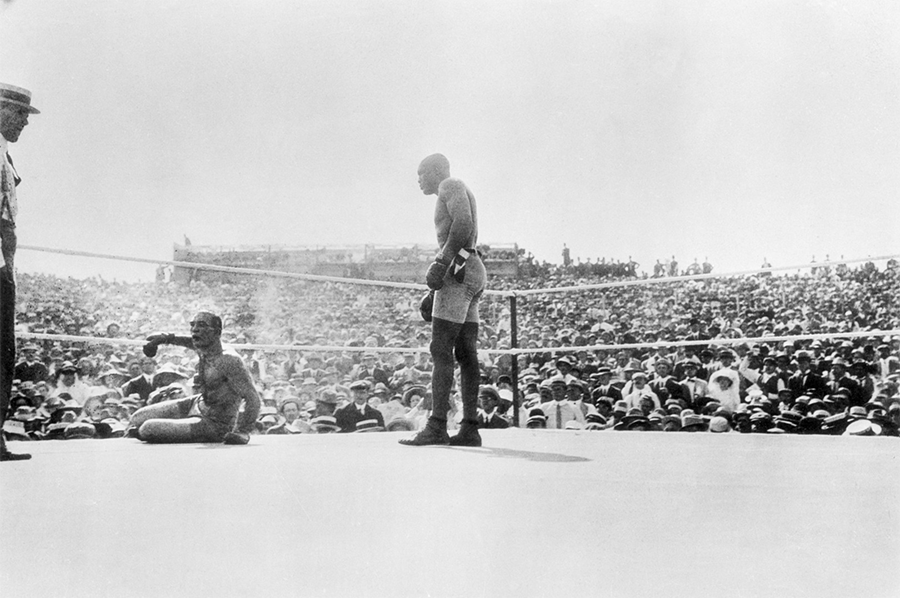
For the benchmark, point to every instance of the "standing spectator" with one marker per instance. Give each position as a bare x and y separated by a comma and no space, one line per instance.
15,106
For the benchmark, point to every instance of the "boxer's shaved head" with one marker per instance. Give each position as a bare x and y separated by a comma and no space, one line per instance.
432,170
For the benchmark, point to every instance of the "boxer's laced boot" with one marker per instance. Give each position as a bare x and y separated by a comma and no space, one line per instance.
434,432
467,435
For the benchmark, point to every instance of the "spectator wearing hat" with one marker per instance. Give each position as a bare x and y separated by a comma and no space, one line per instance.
663,384
859,371
805,381
559,410
30,369
679,371
15,107
142,384
488,414
770,380
268,419
887,363
660,354
291,410
313,368
640,389
724,388
536,419
70,382
576,390
604,386
841,380
358,410
695,388
406,373
327,402
370,370
726,360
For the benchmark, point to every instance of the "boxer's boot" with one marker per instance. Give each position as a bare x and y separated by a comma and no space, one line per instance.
434,433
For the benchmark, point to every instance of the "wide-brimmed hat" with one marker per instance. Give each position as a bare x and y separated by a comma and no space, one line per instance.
360,385
79,430
67,366
324,424
863,427
690,421
18,97
368,425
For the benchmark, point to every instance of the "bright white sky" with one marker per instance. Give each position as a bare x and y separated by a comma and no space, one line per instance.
728,130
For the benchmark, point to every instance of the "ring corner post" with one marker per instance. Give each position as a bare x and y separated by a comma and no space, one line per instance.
513,344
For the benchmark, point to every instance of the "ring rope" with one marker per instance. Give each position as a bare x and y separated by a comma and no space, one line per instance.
421,287
237,270
517,351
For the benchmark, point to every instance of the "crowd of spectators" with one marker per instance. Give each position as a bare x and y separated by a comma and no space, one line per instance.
89,388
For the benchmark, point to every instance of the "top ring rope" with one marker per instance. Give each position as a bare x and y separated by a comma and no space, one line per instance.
645,281
104,340
236,270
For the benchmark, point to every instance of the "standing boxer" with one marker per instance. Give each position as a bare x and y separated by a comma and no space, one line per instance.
456,279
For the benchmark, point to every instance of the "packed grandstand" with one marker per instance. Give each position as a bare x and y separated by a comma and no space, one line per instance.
843,382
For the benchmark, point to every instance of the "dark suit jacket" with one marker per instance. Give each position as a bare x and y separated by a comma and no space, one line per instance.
610,391
813,386
348,416
36,372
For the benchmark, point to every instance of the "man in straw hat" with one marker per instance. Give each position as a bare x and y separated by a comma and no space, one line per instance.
15,107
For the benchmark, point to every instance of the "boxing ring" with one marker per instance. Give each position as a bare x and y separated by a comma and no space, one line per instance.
531,513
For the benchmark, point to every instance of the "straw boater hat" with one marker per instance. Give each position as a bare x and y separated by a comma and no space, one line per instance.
17,96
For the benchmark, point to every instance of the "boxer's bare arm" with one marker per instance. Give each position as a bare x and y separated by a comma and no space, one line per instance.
154,340
235,372
454,218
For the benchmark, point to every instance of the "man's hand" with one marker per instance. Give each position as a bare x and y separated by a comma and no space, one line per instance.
154,341
426,306
237,438
434,278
